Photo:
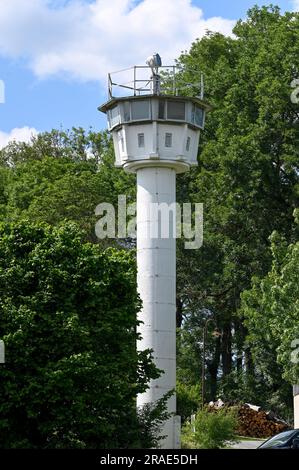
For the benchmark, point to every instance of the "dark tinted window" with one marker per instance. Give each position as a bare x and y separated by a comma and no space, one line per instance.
198,116
278,440
140,110
176,110
188,144
114,116
168,139
127,116
161,109
140,140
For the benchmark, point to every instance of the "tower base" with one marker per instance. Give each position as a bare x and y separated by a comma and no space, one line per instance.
156,279
172,430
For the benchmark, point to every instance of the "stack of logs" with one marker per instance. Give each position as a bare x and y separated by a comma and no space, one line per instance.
254,422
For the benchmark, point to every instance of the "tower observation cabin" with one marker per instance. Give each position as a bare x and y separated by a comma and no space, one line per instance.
153,122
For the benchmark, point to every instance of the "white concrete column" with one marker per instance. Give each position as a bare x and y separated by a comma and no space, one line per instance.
156,278
296,406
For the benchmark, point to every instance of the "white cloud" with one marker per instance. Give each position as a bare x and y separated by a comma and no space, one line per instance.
296,5
86,40
19,134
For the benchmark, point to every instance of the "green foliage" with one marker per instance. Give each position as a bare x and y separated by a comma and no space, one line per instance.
271,309
68,320
188,400
247,180
240,384
259,389
210,430
151,418
61,176
76,145
248,161
188,355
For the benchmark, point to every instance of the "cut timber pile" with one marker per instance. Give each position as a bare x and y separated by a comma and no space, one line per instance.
252,421
258,423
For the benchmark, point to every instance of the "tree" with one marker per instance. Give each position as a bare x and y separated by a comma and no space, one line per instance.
61,176
188,400
247,176
210,430
271,309
68,320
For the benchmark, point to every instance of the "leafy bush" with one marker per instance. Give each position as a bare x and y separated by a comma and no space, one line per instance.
210,430
151,418
188,400
68,320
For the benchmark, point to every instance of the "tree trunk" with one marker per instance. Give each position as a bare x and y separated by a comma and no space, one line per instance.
213,369
240,339
249,366
179,312
226,349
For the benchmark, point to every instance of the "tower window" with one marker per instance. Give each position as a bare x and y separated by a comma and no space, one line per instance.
161,109
176,110
198,116
168,139
127,114
140,140
114,116
140,109
121,141
188,144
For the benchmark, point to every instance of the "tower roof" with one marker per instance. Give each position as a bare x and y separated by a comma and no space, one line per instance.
115,100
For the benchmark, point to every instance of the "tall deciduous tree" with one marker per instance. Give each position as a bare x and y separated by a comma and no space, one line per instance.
61,175
248,171
68,319
271,310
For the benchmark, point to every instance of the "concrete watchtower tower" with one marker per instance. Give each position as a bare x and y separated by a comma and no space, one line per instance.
155,133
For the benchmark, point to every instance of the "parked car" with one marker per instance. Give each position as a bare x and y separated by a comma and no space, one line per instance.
283,440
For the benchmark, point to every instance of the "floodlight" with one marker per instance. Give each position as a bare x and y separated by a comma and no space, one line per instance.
154,62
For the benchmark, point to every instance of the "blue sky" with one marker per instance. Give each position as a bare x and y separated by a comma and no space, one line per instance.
55,54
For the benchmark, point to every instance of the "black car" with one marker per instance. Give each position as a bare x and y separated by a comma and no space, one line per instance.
283,440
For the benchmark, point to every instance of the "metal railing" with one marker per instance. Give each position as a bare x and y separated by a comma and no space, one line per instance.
135,81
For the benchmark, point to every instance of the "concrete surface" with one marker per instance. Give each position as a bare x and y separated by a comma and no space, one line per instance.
247,444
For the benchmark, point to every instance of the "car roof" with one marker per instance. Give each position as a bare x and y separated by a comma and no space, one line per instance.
291,431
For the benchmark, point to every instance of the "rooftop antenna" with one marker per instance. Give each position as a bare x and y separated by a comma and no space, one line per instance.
154,62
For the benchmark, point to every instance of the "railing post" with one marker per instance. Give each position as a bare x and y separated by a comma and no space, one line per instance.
109,86
173,84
